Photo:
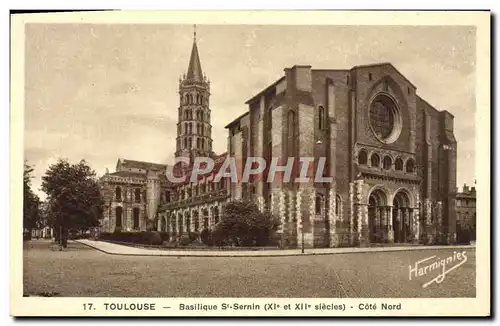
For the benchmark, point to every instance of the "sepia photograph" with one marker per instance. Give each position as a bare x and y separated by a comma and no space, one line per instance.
272,163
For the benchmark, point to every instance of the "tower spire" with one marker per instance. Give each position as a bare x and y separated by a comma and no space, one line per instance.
194,72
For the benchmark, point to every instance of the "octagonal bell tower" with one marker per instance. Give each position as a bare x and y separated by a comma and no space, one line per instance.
194,131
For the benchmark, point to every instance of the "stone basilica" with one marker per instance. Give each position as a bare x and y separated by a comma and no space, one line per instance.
392,157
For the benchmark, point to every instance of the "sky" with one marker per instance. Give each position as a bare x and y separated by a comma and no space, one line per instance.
100,92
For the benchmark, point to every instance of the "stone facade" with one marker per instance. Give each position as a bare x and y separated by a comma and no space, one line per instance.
132,195
392,157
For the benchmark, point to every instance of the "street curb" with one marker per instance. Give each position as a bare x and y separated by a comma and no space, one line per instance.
395,249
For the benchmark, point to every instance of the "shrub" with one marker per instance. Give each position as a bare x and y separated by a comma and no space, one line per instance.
184,240
152,238
244,224
275,239
193,236
206,237
218,237
164,235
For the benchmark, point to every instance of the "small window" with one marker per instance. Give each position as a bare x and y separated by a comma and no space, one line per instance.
370,76
410,166
137,195
319,204
409,91
387,163
399,164
362,158
118,193
136,218
321,117
118,216
375,160
338,202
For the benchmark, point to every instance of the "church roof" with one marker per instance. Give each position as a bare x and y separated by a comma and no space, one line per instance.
127,174
142,165
194,72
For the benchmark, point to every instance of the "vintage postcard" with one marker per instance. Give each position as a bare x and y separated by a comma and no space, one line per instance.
250,164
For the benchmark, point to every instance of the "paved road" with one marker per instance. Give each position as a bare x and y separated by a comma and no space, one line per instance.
83,271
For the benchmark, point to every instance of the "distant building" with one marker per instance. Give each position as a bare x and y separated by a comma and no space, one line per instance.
466,209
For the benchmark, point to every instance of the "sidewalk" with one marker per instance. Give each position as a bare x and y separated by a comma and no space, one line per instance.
116,249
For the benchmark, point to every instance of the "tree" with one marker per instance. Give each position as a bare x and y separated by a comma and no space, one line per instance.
74,198
31,201
244,224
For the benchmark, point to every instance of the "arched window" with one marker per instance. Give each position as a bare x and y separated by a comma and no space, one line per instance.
167,196
375,160
321,118
216,215
362,157
137,195
136,218
188,222
387,162
319,204
190,128
201,115
410,166
203,143
118,216
118,193
338,202
198,144
185,143
190,142
186,99
399,164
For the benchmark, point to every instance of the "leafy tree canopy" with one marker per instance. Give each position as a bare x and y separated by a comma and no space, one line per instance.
31,201
244,224
73,196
